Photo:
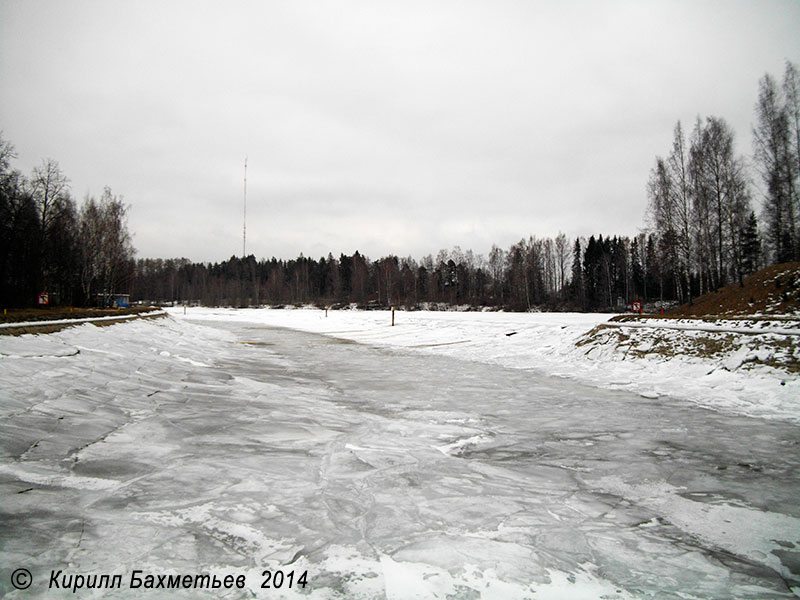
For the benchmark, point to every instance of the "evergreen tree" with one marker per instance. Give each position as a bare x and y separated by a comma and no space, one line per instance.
653,280
576,285
637,270
751,246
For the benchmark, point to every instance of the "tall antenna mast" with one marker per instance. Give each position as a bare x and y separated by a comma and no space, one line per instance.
244,222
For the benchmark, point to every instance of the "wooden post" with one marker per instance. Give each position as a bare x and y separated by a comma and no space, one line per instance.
393,316
326,312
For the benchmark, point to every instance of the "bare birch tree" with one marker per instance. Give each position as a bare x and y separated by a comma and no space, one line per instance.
774,157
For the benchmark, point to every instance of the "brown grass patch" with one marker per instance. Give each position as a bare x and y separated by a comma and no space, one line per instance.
774,290
123,316
19,315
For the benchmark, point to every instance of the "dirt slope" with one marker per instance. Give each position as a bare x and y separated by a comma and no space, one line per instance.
773,291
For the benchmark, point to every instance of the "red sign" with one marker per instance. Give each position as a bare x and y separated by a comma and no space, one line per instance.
44,299
637,307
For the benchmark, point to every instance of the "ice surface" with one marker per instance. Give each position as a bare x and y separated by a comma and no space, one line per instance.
176,448
546,343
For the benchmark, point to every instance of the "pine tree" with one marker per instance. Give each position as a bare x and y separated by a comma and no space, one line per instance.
578,291
751,246
637,269
653,280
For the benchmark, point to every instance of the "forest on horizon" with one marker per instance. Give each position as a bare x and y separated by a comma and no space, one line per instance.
702,231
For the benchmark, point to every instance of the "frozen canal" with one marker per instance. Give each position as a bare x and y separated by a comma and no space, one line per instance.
170,448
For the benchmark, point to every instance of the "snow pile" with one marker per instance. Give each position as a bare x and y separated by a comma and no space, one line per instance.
623,357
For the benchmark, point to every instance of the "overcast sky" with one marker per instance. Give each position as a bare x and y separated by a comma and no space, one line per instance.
395,127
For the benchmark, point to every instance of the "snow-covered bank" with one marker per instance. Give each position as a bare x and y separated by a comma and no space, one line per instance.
546,342
78,321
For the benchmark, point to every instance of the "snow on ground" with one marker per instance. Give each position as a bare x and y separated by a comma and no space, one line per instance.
546,342
132,447
19,324
394,472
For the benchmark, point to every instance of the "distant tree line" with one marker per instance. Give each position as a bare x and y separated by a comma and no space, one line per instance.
78,255
701,232
534,273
